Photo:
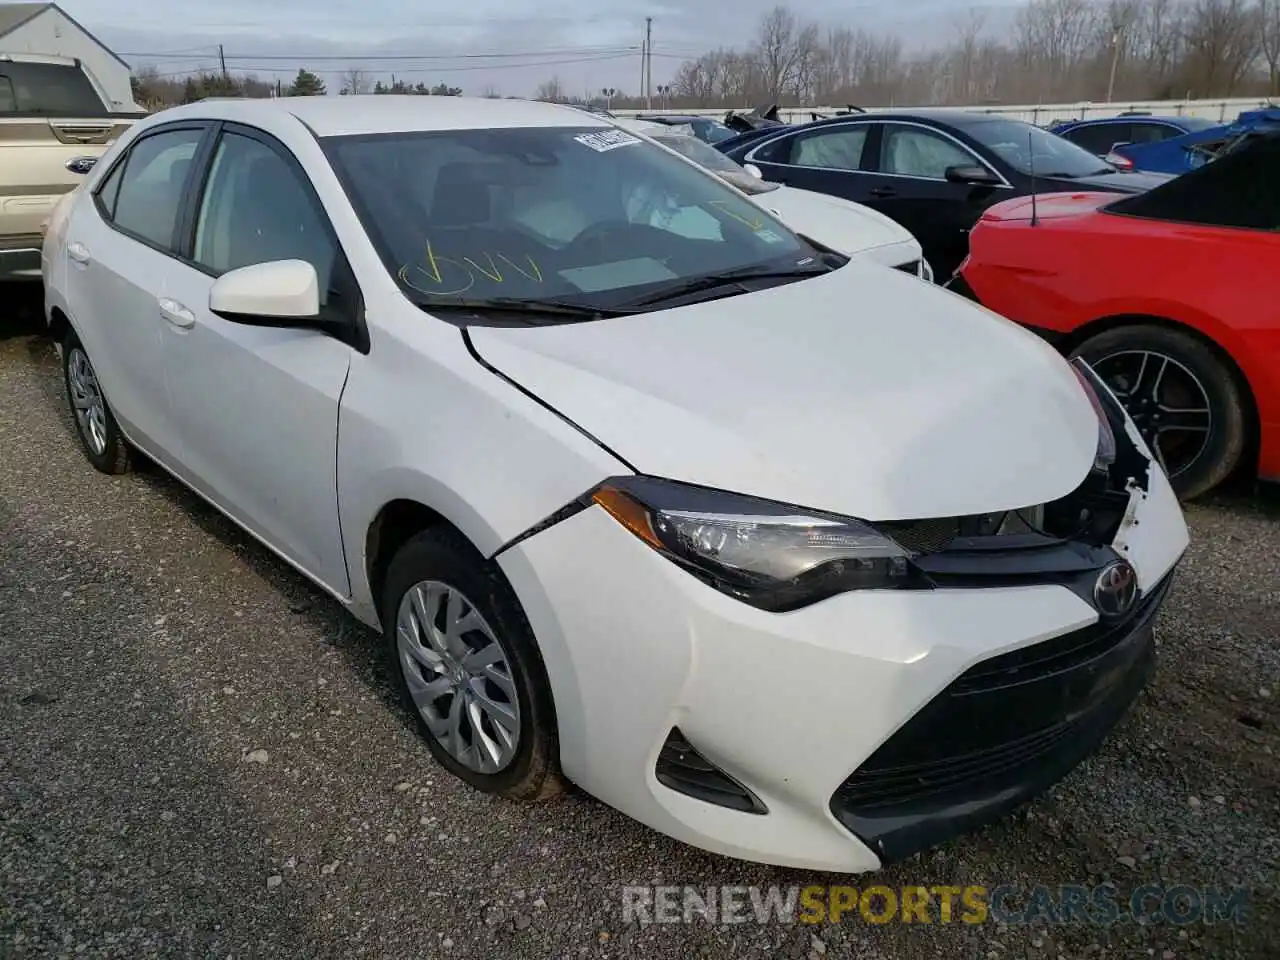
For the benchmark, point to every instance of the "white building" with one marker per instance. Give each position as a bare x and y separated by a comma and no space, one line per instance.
43,28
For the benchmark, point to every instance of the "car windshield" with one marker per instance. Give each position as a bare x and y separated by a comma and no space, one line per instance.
1030,149
713,131
589,216
712,159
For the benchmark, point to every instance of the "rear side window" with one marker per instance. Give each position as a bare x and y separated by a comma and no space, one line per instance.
836,149
151,187
1153,132
109,190
53,89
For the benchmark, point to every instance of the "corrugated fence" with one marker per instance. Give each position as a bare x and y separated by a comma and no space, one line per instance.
1218,110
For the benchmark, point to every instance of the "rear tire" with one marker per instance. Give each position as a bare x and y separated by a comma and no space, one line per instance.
1162,376
100,437
488,675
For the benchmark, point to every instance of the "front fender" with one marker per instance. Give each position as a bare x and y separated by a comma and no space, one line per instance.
436,428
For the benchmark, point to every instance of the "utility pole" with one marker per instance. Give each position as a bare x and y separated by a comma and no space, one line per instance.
222,59
648,62
1115,60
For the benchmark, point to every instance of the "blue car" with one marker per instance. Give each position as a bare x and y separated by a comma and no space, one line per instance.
1200,142
1101,136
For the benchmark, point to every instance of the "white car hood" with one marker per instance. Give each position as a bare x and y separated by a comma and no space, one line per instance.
851,228
864,392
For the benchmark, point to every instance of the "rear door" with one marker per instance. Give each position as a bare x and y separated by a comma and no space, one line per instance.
829,159
120,251
908,183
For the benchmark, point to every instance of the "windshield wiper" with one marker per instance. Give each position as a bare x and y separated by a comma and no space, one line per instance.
551,308
711,281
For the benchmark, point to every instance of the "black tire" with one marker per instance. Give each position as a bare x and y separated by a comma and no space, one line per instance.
116,455
533,773
1220,453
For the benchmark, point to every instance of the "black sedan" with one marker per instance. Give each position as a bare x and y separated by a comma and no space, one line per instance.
933,171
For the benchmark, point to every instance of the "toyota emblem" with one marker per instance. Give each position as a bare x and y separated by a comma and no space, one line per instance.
1116,589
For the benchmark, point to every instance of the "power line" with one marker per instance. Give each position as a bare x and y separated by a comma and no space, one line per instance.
438,71
387,58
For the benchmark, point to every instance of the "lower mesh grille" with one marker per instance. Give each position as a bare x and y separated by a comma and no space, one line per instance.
998,734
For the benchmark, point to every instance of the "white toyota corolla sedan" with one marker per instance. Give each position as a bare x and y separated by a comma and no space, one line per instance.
789,556
851,228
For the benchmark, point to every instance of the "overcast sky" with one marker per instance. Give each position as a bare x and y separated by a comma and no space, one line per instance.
587,46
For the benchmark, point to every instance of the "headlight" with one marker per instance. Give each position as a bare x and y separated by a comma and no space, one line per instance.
770,555
926,271
1106,454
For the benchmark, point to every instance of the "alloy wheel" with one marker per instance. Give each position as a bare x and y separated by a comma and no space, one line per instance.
1167,403
459,676
87,402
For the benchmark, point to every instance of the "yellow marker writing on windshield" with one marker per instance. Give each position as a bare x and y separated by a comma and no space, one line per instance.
756,225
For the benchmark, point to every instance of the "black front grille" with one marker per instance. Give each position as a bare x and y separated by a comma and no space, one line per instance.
1000,733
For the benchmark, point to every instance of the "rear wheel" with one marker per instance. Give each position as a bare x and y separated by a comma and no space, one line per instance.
100,436
1183,398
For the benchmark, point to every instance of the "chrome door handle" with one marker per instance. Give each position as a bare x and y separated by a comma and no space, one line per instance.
176,313
78,252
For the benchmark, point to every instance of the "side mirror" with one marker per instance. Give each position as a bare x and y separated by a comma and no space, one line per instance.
972,174
278,293
755,171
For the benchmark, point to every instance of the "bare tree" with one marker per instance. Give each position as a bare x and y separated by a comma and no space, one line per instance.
1053,36
490,92
354,82
1222,43
1269,40
1059,50
780,50
552,90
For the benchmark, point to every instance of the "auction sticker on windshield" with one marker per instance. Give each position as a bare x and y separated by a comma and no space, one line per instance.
607,140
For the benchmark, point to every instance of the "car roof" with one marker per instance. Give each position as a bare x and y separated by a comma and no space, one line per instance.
390,113
941,115
644,125
1134,118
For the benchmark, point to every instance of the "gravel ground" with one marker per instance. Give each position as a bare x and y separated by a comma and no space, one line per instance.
201,756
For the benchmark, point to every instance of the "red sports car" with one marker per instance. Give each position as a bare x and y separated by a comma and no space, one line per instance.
1172,295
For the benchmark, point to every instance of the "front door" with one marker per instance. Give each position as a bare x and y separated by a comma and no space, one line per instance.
908,183
258,406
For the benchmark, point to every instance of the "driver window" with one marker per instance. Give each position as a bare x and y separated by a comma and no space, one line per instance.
255,210
913,152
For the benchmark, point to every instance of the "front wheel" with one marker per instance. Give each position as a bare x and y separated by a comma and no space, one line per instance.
467,665
1182,397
